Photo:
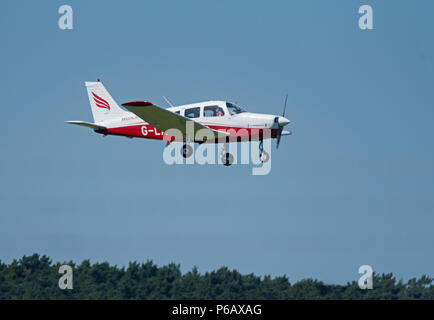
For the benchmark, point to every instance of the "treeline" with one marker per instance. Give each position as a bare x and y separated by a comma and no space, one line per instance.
36,277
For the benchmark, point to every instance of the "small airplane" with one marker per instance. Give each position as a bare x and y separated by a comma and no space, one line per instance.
223,121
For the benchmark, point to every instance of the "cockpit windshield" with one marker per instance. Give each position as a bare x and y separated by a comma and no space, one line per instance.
234,109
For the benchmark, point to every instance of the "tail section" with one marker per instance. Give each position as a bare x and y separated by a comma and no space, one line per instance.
102,104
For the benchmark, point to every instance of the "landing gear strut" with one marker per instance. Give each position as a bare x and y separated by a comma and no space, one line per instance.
226,157
263,155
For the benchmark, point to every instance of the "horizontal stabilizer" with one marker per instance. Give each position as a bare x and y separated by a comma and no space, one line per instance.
86,124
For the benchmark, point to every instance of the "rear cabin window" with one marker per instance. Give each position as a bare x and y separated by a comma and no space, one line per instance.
213,111
192,112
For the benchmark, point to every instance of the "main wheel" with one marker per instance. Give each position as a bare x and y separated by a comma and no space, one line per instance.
186,151
264,156
227,159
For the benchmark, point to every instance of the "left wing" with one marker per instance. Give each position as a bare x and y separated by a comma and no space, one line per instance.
164,119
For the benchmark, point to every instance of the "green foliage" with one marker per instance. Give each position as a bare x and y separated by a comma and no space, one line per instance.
36,277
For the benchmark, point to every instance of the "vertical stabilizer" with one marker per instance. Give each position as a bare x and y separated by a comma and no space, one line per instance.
102,104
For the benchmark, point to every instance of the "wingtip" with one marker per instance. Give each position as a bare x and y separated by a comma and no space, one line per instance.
137,104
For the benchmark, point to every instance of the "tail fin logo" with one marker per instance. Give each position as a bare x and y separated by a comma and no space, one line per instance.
100,102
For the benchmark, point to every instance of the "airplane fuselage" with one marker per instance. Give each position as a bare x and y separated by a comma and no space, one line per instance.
217,115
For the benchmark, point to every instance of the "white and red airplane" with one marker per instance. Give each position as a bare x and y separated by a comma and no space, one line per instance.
218,121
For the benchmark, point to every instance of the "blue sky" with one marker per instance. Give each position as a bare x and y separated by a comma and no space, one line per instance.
354,185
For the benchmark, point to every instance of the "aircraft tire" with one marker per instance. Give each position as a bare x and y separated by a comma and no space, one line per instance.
186,151
227,159
264,156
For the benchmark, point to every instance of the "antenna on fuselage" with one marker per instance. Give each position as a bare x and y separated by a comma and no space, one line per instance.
168,102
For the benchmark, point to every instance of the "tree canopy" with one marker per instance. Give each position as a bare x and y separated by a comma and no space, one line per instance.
36,277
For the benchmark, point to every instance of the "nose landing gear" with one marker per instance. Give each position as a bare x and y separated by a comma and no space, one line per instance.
263,155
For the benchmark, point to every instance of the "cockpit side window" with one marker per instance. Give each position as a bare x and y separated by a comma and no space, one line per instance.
213,111
234,109
192,112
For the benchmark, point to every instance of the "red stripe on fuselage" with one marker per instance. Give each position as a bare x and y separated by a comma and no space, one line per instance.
149,132
139,131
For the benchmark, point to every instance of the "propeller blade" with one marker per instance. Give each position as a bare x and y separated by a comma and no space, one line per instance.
279,135
276,120
284,108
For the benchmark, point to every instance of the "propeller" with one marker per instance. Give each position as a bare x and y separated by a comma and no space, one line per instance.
276,120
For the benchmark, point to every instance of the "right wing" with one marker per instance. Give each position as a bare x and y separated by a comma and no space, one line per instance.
164,119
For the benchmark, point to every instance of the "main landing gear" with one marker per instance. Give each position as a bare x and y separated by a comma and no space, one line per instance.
226,158
186,151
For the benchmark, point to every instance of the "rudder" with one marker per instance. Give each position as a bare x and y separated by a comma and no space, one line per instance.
102,104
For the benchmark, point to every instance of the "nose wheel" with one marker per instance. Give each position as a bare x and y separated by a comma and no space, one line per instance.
263,155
